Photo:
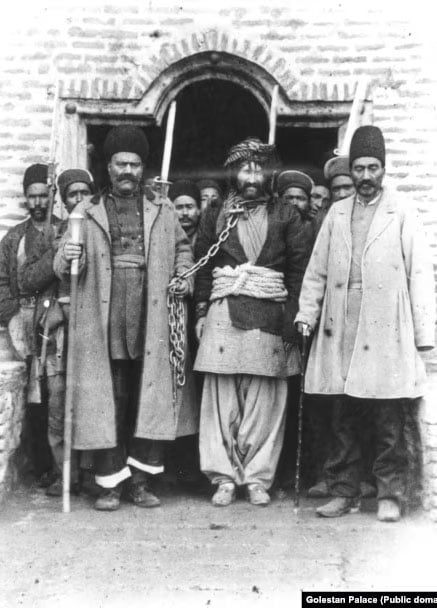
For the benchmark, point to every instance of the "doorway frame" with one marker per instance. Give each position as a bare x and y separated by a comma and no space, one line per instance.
76,112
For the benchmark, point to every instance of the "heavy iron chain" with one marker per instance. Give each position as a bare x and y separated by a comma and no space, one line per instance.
175,304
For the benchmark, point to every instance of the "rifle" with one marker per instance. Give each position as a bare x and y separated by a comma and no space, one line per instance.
51,172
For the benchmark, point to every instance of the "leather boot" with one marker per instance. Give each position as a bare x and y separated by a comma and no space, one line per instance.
319,490
336,507
139,491
109,499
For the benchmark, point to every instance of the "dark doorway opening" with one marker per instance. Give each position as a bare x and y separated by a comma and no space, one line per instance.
212,115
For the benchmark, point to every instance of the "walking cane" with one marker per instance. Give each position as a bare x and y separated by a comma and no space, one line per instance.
304,355
76,222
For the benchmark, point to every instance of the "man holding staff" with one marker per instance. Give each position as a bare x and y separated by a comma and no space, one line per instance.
123,392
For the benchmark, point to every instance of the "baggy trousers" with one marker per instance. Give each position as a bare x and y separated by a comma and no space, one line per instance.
242,423
390,464
132,455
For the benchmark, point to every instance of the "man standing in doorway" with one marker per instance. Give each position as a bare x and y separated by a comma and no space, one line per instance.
186,200
132,248
368,294
240,297
337,173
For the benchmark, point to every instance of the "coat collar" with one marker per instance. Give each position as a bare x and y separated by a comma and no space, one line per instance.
382,218
95,208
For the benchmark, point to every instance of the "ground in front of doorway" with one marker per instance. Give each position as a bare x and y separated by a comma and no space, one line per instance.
187,553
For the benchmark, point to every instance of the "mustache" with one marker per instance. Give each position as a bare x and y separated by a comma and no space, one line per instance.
127,176
252,185
366,182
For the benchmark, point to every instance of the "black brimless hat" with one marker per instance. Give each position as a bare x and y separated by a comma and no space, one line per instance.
367,141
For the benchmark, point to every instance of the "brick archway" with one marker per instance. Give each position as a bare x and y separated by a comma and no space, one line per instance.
203,66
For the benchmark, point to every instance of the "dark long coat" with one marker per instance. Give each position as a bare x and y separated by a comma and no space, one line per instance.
167,252
286,249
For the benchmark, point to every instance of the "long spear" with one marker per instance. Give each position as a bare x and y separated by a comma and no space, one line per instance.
76,224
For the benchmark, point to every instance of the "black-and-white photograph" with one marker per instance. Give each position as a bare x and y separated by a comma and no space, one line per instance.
218,253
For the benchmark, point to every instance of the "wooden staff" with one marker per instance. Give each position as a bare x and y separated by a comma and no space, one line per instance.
273,114
76,224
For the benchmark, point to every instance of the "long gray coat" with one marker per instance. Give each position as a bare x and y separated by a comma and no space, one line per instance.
398,304
167,252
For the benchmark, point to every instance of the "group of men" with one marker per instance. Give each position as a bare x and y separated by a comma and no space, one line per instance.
275,263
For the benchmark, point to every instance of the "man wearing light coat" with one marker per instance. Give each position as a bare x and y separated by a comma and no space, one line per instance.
368,296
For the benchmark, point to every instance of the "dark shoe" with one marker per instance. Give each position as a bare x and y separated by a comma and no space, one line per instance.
337,507
388,510
55,489
141,496
367,490
109,500
47,479
320,490
224,495
257,495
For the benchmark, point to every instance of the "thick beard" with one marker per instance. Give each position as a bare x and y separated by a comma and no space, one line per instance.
42,214
259,192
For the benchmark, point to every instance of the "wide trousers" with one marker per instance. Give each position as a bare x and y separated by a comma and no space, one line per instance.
242,423
132,454
345,461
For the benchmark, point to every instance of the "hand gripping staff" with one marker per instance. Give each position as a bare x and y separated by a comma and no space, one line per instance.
304,357
76,230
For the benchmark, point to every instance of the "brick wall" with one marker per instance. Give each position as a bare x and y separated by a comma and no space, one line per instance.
313,53
316,51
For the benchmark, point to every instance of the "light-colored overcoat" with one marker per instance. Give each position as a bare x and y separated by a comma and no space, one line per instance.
397,313
167,252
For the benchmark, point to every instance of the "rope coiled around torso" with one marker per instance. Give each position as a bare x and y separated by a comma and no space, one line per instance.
248,280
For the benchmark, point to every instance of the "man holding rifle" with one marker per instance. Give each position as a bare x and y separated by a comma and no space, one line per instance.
37,275
368,296
23,309
123,391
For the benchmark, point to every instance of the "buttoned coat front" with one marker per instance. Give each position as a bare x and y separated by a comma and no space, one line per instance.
397,313
167,252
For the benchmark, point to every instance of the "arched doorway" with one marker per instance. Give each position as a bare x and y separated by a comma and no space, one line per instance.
212,115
